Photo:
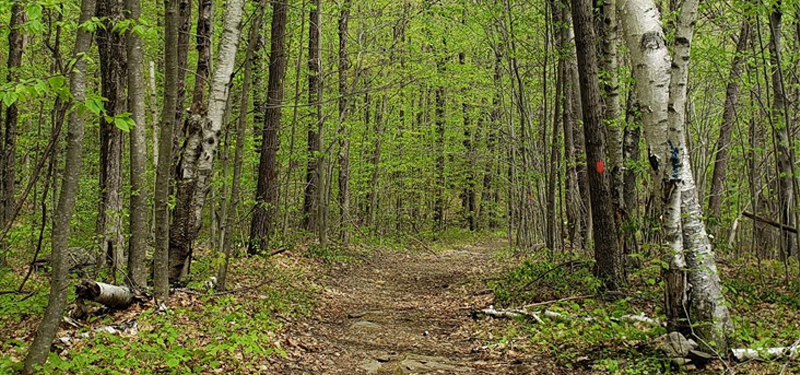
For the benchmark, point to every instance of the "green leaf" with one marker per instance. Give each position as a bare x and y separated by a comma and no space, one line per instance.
9,98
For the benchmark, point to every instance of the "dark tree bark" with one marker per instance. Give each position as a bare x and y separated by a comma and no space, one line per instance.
728,120
781,125
468,195
606,247
184,25
344,132
438,205
16,46
113,75
45,333
487,211
313,177
264,214
163,175
375,160
137,250
630,154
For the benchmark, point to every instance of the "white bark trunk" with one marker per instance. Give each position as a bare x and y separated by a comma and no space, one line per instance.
706,303
651,68
661,88
218,97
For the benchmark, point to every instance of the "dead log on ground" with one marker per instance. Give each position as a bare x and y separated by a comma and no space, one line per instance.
112,296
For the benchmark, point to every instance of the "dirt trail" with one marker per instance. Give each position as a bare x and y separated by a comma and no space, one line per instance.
401,314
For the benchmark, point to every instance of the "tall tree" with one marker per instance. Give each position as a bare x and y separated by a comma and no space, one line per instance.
62,217
608,264
728,119
139,234
251,61
661,87
163,174
344,132
113,75
313,186
186,221
196,164
16,46
264,213
781,124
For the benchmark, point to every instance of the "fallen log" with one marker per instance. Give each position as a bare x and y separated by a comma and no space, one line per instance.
112,296
764,354
510,314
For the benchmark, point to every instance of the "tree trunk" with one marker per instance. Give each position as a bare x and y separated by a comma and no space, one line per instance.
16,45
375,160
661,87
137,250
45,333
706,302
438,206
113,75
253,46
313,178
196,165
187,212
263,221
726,128
781,124
608,265
468,195
630,156
163,171
184,25
344,132
609,87
487,209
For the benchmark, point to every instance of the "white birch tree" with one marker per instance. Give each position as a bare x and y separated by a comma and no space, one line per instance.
693,294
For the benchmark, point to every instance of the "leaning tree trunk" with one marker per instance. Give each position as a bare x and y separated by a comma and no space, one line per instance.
137,250
608,264
706,302
185,220
264,214
661,85
726,128
40,348
113,68
197,154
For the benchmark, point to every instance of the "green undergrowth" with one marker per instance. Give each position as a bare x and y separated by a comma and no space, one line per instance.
593,339
200,333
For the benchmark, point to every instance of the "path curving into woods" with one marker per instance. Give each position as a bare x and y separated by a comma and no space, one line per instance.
401,313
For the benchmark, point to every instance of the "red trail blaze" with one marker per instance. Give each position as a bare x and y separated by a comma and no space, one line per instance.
600,166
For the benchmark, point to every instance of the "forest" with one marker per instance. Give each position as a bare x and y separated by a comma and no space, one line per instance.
399,186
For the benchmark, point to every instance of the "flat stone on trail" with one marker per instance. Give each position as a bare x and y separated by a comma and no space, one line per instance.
371,366
366,324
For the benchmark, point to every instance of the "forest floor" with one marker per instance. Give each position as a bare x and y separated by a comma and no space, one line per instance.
400,312
399,309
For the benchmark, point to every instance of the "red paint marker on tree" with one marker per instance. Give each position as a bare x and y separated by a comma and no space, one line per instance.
600,166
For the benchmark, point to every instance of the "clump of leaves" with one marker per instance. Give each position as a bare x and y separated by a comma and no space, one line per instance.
537,280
